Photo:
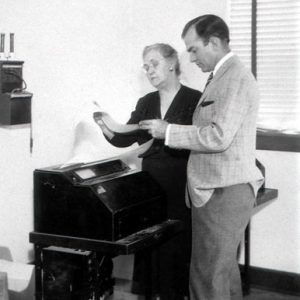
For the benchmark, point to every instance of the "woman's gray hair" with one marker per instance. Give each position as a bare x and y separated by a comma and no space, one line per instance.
167,51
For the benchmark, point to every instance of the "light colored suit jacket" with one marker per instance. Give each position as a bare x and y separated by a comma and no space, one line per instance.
222,138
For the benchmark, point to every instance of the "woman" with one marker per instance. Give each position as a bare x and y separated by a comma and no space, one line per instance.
174,103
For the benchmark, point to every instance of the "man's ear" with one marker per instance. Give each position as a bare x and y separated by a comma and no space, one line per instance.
215,42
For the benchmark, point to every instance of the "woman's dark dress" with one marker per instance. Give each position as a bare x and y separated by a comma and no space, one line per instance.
168,167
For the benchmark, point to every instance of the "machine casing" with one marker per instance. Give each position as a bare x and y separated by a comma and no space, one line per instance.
102,200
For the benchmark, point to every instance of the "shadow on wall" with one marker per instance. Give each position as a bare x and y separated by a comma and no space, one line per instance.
5,254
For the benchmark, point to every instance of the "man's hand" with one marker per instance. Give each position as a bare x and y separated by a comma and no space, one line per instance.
157,128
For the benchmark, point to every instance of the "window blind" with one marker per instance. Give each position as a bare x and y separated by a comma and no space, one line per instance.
240,29
278,57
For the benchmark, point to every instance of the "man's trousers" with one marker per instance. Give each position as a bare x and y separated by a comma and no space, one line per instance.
217,230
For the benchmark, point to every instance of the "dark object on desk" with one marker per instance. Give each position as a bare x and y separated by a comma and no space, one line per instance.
103,200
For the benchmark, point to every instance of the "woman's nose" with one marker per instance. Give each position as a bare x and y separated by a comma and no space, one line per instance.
151,69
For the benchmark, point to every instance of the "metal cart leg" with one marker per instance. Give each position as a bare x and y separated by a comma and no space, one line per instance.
38,272
247,261
148,287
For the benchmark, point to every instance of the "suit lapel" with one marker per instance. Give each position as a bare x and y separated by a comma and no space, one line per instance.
216,77
213,84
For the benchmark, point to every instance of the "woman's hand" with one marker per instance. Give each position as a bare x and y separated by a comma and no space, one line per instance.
157,128
103,127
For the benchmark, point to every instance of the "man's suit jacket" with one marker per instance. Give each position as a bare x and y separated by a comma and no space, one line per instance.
222,138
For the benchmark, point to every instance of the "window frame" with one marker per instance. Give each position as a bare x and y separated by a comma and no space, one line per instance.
269,139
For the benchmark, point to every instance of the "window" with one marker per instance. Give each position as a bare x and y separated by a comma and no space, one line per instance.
240,29
266,36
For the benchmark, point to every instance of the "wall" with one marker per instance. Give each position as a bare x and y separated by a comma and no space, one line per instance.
79,51
275,234
76,52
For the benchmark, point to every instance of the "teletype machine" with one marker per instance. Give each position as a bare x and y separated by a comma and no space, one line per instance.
84,215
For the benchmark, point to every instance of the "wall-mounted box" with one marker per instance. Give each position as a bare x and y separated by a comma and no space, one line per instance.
15,108
11,75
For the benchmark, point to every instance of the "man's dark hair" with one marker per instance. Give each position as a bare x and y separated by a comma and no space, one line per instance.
207,26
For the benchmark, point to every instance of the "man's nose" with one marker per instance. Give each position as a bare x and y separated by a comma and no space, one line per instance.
192,58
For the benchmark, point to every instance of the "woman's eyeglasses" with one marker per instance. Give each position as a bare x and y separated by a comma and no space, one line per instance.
153,64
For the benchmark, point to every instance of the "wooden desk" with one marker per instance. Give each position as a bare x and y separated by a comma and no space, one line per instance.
263,196
143,240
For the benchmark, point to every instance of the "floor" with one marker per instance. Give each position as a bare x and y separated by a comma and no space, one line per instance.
122,292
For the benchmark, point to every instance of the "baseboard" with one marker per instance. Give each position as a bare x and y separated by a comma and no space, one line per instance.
279,281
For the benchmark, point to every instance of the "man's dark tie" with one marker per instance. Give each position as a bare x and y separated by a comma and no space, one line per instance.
209,79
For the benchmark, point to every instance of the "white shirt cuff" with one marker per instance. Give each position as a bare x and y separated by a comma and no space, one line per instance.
167,134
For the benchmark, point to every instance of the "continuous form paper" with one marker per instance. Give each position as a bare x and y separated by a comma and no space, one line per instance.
90,145
113,126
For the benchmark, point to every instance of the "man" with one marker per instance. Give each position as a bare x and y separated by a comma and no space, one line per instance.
222,179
